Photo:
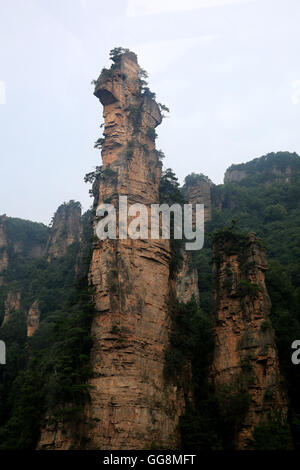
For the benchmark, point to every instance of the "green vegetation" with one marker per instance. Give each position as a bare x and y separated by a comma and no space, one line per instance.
194,178
160,154
96,175
212,421
49,371
267,166
116,53
169,193
151,133
99,143
272,434
93,175
269,206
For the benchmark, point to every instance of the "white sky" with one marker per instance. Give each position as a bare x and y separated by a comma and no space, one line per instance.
229,71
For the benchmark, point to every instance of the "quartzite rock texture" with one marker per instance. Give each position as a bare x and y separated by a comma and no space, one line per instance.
132,405
65,230
245,354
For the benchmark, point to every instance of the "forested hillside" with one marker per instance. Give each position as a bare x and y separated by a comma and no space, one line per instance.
267,202
50,369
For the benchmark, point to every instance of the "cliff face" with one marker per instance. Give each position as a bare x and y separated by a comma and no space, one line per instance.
245,355
234,175
65,229
199,192
275,175
12,304
33,318
187,281
133,405
280,167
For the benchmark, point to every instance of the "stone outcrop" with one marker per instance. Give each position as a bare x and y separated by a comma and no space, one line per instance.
33,318
56,434
245,354
275,175
187,281
197,190
234,175
65,229
280,167
12,304
132,404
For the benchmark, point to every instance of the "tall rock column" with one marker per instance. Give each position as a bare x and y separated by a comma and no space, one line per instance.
132,406
245,356
65,229
197,190
12,304
33,318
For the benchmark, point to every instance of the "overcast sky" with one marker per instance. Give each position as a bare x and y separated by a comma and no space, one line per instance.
229,70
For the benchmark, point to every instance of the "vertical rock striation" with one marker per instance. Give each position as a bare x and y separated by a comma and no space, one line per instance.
245,354
187,281
12,304
33,318
132,406
65,229
197,190
279,167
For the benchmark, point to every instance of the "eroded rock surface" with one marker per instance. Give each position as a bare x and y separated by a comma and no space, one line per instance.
33,318
65,229
134,405
245,356
198,191
12,304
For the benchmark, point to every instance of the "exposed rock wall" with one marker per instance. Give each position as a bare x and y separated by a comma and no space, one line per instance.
12,304
65,229
187,281
33,318
133,404
279,167
245,353
275,175
57,435
233,175
199,192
